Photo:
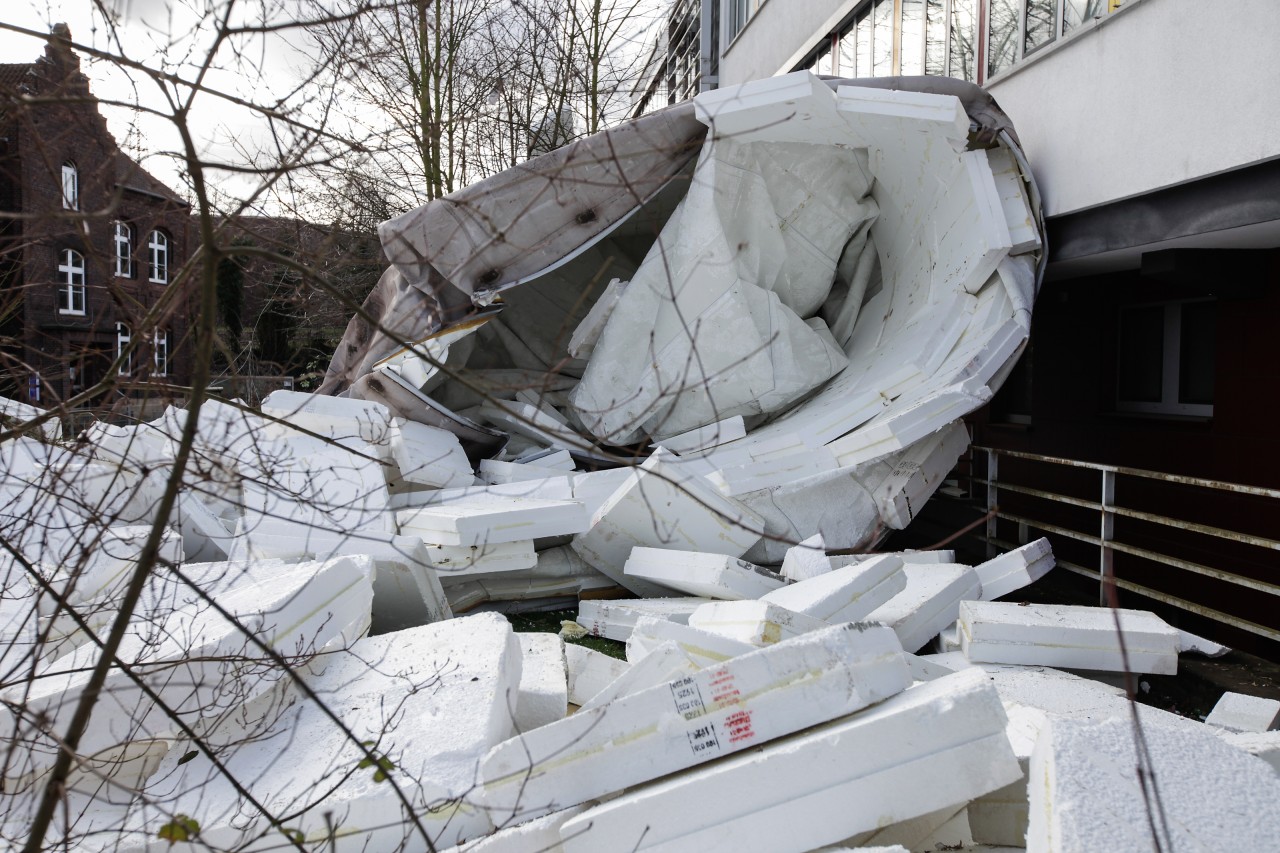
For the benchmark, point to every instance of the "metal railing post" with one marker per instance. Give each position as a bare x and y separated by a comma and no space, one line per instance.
1107,534
993,467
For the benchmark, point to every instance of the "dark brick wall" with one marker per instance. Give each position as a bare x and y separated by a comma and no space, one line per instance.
58,121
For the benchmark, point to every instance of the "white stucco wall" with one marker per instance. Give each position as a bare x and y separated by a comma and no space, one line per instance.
1158,94
1161,94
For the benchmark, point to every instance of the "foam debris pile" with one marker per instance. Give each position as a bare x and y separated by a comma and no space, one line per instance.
693,424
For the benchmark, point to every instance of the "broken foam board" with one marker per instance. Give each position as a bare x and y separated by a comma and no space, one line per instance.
1237,712
745,702
888,763
1067,636
759,623
929,602
702,647
1015,569
1086,795
543,695
660,506
589,671
615,619
844,595
717,576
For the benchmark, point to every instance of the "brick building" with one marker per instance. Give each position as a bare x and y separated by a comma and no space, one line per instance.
91,246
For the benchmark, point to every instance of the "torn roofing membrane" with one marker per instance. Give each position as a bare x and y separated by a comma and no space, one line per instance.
803,284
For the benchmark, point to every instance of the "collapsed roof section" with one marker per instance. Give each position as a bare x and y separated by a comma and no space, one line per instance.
800,303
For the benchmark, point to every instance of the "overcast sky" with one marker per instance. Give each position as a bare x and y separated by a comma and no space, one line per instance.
165,34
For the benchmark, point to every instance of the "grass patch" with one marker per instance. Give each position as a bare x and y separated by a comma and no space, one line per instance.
548,622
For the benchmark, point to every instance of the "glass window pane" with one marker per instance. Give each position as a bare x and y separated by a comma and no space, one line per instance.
847,64
1078,12
882,49
823,65
1196,359
964,39
864,46
1142,354
1002,43
935,38
1041,18
911,59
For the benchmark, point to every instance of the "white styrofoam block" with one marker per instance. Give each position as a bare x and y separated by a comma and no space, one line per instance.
541,835
889,763
196,660
205,537
616,619
465,561
590,671
944,829
847,594
1264,745
659,506
761,474
543,695
744,702
901,426
759,623
665,662
917,472
716,576
1023,231
314,490
583,340
1237,712
929,602
930,667
1015,569
1067,636
1085,792
702,647
338,418
479,524
428,455
496,472
702,438
431,700
806,560
1188,642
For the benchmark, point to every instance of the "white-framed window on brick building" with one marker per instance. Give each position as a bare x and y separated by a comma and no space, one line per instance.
71,282
124,250
1166,358
123,354
158,257
70,186
160,352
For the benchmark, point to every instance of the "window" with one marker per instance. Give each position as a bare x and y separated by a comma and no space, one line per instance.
122,349
160,350
70,186
158,257
71,283
124,250
1166,358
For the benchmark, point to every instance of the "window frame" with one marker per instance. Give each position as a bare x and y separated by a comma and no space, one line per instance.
124,337
123,242
160,352
1170,402
70,186
158,243
70,291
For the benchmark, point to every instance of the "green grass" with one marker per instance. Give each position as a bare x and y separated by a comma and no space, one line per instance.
548,622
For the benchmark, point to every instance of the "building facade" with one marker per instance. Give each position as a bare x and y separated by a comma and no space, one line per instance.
91,249
1137,429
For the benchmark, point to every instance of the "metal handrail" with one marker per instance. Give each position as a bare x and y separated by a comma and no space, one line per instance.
1106,541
